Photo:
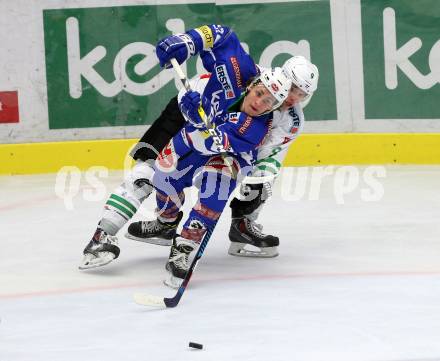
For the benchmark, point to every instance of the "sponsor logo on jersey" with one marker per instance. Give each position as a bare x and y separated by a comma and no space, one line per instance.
245,125
294,121
215,110
274,87
233,117
206,34
225,81
236,67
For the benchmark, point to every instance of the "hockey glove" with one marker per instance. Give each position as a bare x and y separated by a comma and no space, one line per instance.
179,46
189,105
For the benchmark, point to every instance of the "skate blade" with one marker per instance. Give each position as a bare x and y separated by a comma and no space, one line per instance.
90,261
172,281
156,240
240,250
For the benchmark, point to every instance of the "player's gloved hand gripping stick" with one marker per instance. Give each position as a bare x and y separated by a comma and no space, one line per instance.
217,141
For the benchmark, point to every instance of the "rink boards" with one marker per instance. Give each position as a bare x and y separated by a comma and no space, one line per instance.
309,149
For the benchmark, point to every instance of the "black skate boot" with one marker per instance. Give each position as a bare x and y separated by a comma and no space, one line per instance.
177,264
154,232
101,250
245,232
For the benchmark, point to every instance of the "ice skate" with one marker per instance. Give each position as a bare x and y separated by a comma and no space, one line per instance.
101,250
154,232
248,240
177,265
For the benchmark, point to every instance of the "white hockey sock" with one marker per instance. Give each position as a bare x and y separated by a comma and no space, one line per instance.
120,207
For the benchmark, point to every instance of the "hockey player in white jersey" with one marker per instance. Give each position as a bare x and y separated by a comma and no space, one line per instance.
287,125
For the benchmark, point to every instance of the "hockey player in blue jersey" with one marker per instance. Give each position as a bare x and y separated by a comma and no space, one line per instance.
241,117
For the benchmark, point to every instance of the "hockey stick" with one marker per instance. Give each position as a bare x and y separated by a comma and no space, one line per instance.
169,302
165,302
208,125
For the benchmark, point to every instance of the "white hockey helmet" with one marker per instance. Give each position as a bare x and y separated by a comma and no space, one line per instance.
277,82
303,73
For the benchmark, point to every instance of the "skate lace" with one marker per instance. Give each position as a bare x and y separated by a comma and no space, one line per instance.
150,226
255,228
110,239
268,190
180,259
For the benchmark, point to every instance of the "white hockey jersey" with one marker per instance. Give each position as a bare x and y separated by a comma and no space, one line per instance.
287,124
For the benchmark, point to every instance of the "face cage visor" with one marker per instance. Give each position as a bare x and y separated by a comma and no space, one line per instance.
299,93
268,99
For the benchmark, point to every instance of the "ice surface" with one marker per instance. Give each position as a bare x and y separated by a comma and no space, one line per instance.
354,281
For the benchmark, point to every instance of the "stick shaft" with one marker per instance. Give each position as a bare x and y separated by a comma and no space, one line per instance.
180,74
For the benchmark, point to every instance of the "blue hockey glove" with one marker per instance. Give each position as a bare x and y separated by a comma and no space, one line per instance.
189,105
179,46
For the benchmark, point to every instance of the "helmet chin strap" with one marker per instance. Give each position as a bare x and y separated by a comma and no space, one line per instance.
271,110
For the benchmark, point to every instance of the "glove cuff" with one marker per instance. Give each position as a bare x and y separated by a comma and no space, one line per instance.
196,39
189,43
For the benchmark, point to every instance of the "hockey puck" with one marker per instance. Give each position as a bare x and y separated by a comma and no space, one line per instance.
196,345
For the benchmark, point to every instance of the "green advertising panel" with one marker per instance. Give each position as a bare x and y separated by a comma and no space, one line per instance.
102,70
401,57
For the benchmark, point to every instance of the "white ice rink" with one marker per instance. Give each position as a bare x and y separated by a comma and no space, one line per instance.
358,281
